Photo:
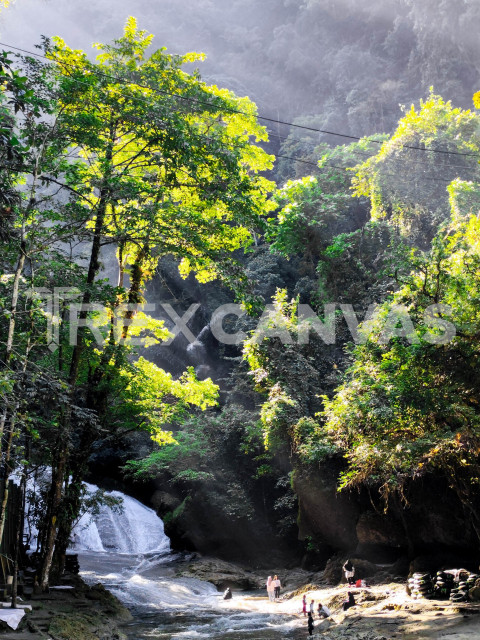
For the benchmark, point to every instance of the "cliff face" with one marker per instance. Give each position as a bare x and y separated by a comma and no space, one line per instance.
432,522
204,523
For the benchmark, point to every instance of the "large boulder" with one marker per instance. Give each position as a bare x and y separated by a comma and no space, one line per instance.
222,574
333,573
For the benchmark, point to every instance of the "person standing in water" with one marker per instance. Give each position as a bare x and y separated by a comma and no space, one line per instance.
277,586
270,588
310,624
312,607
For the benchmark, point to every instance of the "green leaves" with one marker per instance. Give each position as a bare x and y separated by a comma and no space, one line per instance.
406,181
404,408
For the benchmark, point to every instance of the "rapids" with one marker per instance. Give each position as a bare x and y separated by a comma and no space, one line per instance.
129,553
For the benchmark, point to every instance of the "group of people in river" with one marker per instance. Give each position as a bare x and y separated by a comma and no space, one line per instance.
273,588
322,611
308,609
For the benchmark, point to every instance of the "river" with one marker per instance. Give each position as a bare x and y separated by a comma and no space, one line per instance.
130,555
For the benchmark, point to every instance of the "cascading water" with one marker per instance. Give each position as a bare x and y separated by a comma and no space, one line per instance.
129,553
132,528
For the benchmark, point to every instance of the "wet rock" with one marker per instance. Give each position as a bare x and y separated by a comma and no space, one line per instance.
222,574
324,625
110,604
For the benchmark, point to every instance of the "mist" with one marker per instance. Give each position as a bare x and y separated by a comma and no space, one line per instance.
349,64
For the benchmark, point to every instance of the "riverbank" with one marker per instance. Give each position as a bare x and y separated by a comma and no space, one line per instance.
384,611
169,601
71,611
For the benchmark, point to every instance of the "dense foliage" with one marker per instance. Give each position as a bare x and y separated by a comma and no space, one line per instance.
406,406
367,253
128,152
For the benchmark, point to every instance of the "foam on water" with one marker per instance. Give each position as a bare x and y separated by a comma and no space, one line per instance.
130,554
166,593
136,529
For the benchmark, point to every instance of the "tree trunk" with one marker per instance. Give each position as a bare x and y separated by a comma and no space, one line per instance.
11,326
72,504
134,292
7,471
58,476
18,537
54,504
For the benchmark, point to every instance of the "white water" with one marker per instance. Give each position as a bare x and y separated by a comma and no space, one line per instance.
135,529
130,555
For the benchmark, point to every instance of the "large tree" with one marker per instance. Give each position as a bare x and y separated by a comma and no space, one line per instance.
149,159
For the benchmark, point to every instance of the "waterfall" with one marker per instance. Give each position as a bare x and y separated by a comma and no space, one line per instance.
129,553
133,530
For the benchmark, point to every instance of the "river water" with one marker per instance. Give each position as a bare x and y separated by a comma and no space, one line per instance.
130,555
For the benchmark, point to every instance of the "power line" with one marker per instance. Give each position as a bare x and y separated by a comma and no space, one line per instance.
194,100
239,112
334,166
366,154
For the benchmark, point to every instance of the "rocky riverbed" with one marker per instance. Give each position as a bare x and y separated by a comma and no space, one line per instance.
384,611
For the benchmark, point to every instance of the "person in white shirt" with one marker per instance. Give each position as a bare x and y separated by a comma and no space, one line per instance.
323,611
349,572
